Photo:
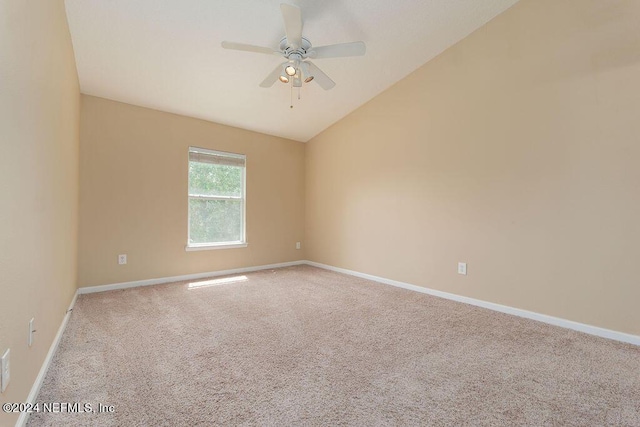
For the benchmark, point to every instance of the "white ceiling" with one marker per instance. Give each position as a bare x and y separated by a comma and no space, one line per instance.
166,54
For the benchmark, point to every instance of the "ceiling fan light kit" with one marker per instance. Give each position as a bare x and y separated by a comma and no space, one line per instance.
290,70
297,50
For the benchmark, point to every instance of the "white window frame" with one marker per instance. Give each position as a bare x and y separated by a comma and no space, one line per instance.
242,243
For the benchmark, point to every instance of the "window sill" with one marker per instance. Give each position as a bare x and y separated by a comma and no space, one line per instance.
210,247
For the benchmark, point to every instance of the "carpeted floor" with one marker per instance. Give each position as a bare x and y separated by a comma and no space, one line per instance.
302,346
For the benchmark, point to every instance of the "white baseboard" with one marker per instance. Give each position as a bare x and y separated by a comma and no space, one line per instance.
35,389
196,276
569,324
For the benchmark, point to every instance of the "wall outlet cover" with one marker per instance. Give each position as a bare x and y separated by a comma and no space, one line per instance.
5,370
32,329
462,268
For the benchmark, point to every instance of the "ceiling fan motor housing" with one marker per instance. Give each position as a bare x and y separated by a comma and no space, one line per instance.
288,49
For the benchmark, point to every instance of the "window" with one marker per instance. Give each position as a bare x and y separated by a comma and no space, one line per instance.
216,199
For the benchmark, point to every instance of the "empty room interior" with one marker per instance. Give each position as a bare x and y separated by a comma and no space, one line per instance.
315,213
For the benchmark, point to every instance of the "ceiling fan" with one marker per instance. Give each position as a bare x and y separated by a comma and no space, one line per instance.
297,50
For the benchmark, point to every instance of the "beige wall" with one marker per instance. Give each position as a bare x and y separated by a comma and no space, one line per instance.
39,138
133,194
516,151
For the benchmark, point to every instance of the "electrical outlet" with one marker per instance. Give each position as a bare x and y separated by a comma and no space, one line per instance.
31,331
462,268
122,259
5,370
297,245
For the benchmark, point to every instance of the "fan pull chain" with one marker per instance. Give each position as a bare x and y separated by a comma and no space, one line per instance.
291,101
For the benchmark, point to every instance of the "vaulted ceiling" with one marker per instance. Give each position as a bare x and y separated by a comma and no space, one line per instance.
166,54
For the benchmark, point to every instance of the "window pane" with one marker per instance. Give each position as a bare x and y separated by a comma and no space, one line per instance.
215,180
215,221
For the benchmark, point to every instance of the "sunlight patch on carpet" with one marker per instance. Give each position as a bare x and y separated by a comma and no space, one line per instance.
216,282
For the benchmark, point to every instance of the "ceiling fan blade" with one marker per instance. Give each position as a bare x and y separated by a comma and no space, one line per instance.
249,48
338,50
271,78
320,77
292,24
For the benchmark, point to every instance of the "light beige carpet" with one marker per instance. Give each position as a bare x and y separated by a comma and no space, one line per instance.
302,346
